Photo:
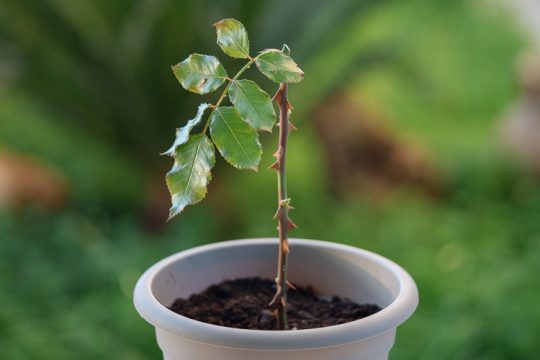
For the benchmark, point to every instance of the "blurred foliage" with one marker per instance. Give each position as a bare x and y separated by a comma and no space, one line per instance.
86,86
454,74
101,71
66,284
98,173
105,65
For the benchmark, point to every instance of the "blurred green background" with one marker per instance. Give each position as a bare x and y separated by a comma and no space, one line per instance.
399,152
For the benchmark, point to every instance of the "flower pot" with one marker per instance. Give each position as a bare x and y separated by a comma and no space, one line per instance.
332,269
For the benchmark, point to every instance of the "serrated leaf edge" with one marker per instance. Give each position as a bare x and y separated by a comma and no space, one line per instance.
235,82
186,129
254,168
216,25
173,213
265,51
225,77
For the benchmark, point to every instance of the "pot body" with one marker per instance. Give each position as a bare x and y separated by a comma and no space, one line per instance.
332,269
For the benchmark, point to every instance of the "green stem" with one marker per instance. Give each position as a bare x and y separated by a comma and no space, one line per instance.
225,91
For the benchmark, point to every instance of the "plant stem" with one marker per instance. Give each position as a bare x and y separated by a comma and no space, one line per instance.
223,94
225,91
280,299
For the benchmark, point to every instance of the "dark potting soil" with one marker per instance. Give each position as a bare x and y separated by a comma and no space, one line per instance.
244,303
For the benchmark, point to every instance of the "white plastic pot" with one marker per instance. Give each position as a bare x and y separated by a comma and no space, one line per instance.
332,269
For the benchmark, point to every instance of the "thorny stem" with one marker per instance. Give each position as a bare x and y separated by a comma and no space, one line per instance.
280,298
282,215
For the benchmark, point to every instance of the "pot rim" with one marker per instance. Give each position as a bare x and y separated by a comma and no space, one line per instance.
385,320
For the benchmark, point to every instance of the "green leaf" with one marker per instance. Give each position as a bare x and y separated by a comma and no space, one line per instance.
232,37
237,142
200,74
278,67
190,174
182,134
253,104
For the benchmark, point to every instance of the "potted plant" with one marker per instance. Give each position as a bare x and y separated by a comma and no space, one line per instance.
334,273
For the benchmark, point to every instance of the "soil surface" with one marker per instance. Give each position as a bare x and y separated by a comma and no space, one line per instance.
243,303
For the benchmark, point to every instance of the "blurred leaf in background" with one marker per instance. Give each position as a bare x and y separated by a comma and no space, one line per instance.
86,89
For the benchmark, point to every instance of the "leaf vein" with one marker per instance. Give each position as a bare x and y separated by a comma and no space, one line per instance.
249,102
246,156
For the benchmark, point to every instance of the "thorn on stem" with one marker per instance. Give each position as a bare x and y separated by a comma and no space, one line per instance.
288,105
278,213
275,165
279,153
277,95
291,224
277,295
285,202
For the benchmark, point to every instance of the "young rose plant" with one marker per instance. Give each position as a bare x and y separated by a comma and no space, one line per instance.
234,130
